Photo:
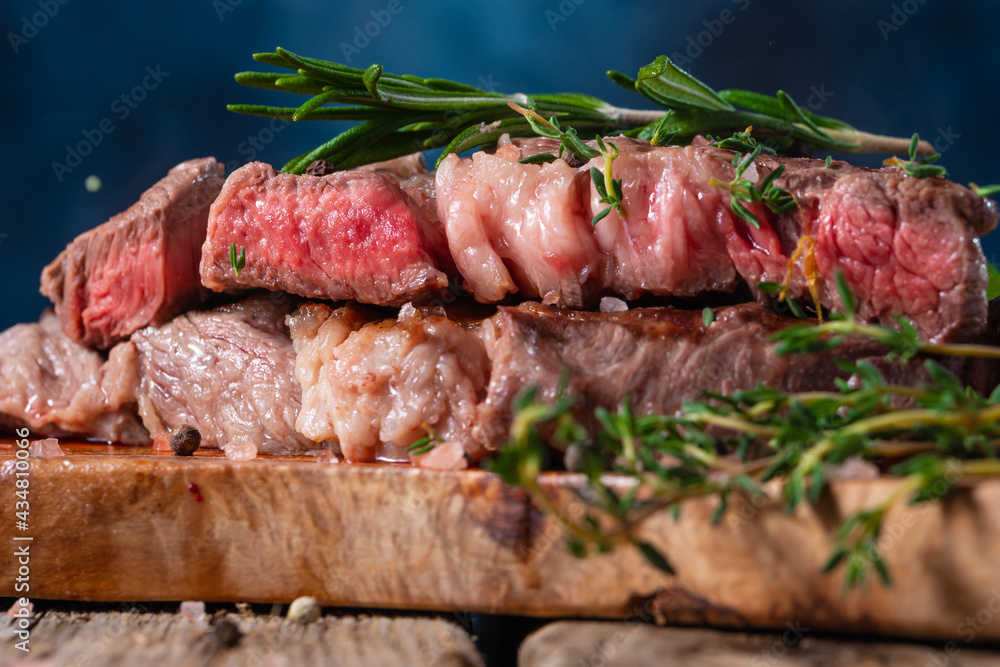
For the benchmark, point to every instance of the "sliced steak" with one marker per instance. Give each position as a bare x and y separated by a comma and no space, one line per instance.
369,384
229,372
659,358
514,227
56,386
906,246
346,235
141,266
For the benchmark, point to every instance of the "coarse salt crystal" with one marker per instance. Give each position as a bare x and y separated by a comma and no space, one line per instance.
161,443
610,304
304,610
15,610
240,450
445,456
46,449
326,456
852,468
193,611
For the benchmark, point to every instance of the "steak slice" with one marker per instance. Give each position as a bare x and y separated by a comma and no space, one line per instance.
229,372
661,357
141,266
346,235
378,386
514,227
56,386
906,246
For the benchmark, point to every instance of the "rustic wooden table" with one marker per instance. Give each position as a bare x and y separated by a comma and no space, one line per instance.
84,635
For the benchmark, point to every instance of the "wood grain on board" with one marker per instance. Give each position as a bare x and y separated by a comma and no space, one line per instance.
120,524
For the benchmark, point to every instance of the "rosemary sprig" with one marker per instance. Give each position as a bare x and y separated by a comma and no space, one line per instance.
237,262
401,114
948,432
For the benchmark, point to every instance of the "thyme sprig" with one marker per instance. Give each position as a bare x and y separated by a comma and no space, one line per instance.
744,191
726,445
401,114
904,342
610,189
985,190
918,168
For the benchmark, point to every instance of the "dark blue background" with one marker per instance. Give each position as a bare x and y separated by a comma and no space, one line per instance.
936,74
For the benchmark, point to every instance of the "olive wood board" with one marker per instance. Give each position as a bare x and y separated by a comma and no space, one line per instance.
119,524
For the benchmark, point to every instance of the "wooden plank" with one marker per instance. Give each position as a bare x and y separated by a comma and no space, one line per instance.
125,639
120,525
572,644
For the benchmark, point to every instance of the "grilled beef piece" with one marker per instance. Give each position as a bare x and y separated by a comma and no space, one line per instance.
906,246
346,235
228,372
377,386
661,357
141,266
55,386
373,383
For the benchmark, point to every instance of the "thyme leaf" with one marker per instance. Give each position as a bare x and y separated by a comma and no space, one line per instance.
985,190
425,444
237,262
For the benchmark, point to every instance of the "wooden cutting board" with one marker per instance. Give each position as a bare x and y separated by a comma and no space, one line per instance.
120,524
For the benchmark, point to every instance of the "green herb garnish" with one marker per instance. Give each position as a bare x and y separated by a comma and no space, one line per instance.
422,446
237,262
425,444
993,284
948,434
985,190
402,114
609,188
921,168
742,190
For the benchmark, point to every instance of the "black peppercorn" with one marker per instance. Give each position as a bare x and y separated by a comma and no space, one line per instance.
227,632
185,440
